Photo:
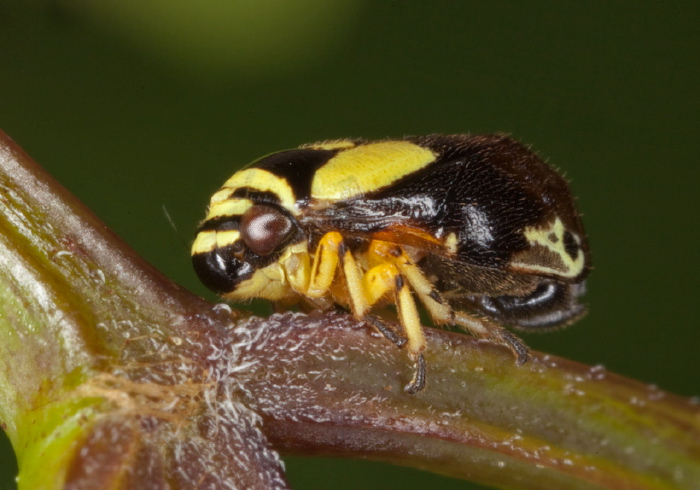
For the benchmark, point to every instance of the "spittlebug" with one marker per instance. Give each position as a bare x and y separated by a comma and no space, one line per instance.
478,229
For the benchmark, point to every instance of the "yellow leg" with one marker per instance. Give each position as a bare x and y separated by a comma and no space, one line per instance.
378,281
385,277
329,253
325,264
353,280
438,308
297,267
410,319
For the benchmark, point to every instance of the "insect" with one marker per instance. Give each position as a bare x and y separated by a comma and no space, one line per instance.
477,229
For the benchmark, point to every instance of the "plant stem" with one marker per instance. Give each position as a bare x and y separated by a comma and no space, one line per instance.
112,376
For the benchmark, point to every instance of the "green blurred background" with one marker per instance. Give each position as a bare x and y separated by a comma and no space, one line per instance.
140,105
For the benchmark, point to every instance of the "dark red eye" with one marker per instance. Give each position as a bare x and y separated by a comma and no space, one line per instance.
263,228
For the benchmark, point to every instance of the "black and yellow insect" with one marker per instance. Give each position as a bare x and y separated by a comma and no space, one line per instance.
478,229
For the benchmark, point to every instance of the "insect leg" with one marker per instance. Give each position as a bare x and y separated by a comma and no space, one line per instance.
442,313
353,281
325,264
410,320
330,253
418,382
385,277
385,330
487,330
439,309
377,282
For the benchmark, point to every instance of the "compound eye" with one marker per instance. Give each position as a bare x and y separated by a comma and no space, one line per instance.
263,228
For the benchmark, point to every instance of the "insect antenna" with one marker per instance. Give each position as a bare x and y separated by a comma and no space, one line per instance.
175,229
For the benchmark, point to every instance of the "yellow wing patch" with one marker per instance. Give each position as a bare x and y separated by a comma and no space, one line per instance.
548,254
366,168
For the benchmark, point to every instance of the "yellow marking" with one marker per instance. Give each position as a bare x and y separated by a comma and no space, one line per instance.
542,237
330,145
367,168
231,207
204,242
451,243
228,237
263,181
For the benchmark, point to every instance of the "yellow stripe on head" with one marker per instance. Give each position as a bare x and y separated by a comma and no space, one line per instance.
261,180
231,207
227,237
208,240
367,168
222,195
204,242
